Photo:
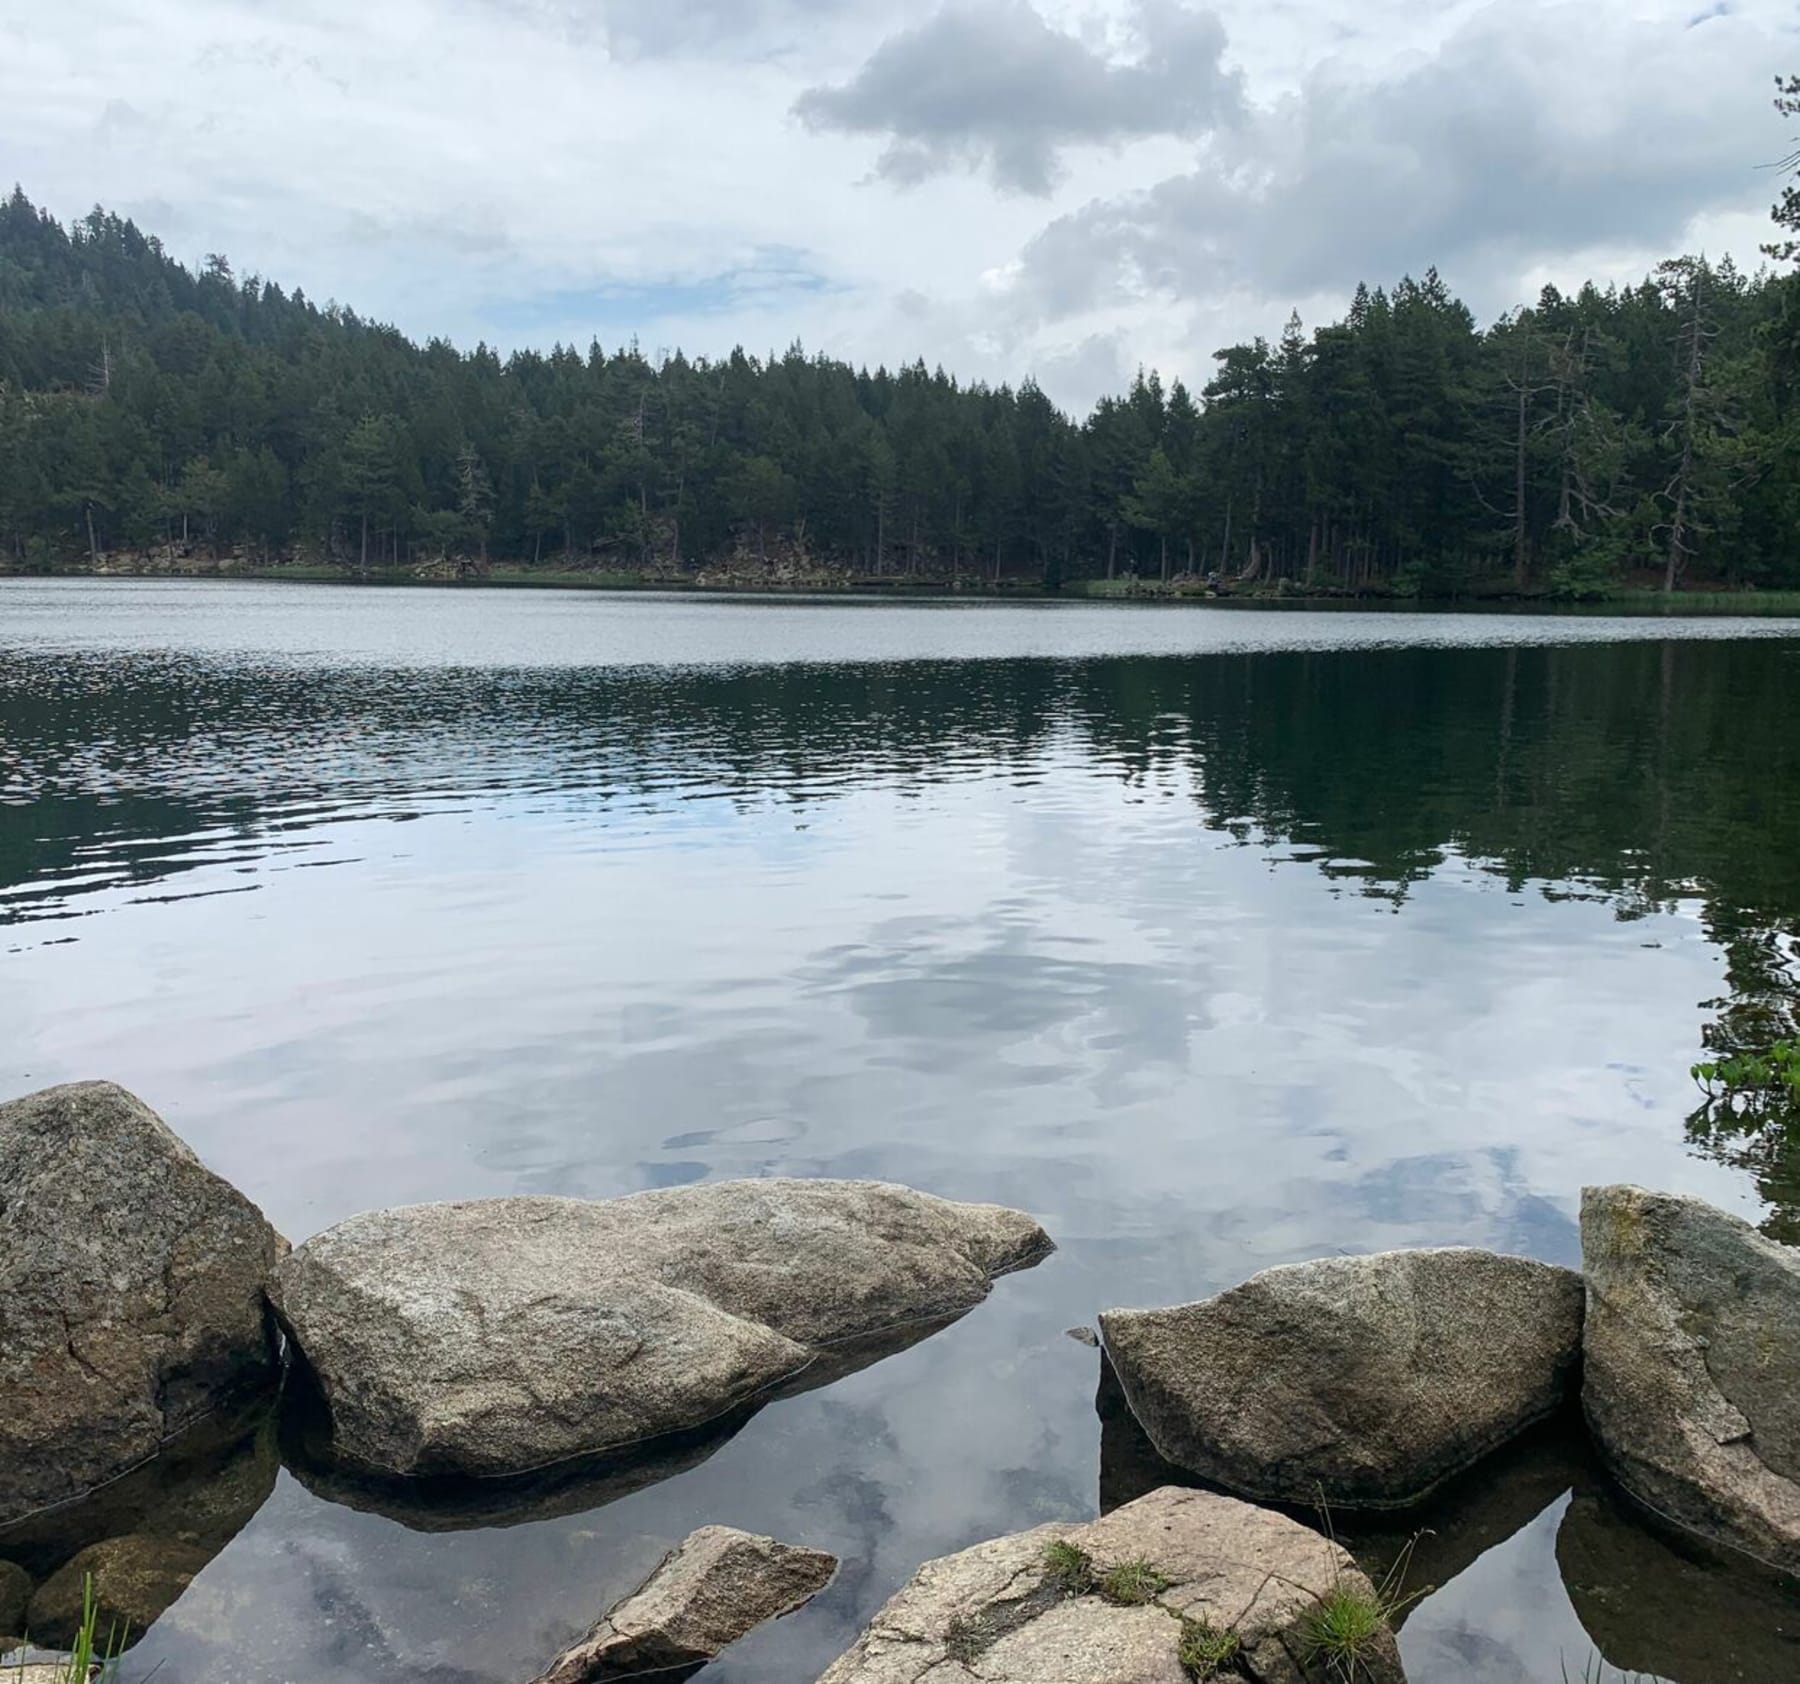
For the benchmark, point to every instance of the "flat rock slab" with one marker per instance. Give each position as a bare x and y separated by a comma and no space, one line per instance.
1365,1380
718,1585
999,1614
505,1335
1692,1366
131,1292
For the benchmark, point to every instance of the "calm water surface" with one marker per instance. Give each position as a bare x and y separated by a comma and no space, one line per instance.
1215,939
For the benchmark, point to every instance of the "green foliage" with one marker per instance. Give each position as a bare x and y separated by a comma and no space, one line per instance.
1753,1083
1205,1650
1130,1584
1070,1567
1749,1116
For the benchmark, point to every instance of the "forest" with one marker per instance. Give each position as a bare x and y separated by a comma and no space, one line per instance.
1638,436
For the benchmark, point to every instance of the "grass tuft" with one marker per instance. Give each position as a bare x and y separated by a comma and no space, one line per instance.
963,1640
1344,1628
1070,1567
1204,1650
1132,1583
87,1662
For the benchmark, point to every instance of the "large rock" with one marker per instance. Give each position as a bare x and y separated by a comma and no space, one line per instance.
999,1614
503,1335
711,1590
131,1291
1692,1350
1363,1380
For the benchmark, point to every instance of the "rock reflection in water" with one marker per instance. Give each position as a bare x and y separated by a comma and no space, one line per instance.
1652,1605
565,1488
157,1526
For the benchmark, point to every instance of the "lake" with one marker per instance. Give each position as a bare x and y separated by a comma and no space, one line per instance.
1213,938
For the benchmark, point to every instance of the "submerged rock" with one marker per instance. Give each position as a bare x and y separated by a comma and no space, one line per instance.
131,1291
1692,1352
1222,1584
504,1335
717,1585
202,1489
15,1598
135,1578
1366,1381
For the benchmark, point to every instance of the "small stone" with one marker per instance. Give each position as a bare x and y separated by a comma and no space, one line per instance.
719,1584
1083,1336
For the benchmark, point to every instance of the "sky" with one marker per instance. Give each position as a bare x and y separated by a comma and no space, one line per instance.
1005,188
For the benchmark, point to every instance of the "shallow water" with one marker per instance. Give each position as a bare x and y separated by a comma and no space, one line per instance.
1215,939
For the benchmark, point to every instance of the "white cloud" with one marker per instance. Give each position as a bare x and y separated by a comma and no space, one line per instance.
522,170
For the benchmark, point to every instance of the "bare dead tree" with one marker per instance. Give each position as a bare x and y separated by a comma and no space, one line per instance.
1695,335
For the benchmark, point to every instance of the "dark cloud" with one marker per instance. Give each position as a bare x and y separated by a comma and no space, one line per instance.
988,83
1530,135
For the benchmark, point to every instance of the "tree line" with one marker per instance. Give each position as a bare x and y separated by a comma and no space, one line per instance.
1644,433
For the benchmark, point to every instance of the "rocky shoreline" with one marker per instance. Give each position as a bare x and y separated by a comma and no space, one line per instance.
466,1363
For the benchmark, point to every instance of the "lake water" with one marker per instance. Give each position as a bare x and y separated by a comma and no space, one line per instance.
1215,939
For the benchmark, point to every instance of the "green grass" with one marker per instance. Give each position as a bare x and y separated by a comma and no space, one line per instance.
1133,1583
1204,1650
87,1662
1069,1567
1344,1629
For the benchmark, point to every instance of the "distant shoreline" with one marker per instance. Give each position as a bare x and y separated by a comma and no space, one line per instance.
1647,602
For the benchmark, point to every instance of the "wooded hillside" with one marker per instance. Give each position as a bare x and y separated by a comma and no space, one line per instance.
1647,431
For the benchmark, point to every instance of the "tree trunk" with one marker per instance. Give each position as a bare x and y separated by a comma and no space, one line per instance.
1678,521
1521,554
